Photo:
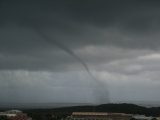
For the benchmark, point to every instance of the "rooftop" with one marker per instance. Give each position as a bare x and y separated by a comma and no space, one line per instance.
98,113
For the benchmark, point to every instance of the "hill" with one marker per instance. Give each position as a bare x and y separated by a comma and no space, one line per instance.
118,108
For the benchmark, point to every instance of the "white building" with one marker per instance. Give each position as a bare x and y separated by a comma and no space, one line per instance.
142,117
10,113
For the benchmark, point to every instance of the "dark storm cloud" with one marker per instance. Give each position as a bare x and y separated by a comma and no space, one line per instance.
118,40
76,24
68,18
86,11
14,51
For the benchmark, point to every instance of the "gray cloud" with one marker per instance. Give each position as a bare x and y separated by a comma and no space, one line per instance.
134,19
118,40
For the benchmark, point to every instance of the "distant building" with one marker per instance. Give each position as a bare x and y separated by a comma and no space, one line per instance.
13,111
20,117
158,118
14,115
7,114
99,116
142,117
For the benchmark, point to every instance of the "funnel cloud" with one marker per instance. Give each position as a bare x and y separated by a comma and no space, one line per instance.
98,99
86,51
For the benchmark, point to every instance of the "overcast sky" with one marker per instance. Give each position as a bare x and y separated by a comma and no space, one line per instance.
47,47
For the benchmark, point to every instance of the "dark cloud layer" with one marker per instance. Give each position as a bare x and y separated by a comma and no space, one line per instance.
70,18
76,24
128,24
